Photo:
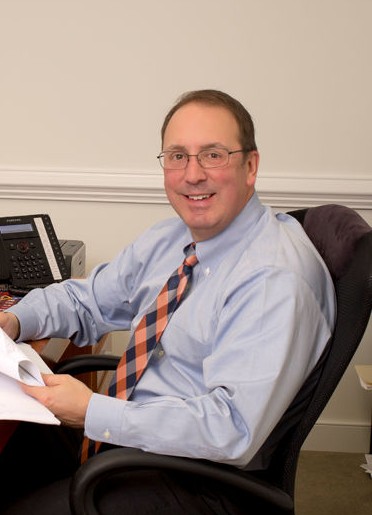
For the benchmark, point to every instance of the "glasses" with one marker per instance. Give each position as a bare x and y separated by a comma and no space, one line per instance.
209,158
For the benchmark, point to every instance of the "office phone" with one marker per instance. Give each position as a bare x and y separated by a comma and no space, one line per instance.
30,253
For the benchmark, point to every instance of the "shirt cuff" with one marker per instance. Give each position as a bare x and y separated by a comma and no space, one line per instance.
27,321
103,421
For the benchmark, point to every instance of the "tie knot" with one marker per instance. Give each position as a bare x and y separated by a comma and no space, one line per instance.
191,258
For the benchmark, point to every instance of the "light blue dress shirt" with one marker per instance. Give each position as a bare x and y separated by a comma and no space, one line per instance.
259,313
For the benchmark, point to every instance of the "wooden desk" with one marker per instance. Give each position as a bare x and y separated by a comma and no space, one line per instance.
52,351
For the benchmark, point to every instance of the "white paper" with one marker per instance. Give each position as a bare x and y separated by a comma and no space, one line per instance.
365,376
368,466
21,363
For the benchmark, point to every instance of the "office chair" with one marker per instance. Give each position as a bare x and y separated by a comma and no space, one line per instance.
344,240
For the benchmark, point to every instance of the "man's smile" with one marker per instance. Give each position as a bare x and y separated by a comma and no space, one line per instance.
199,197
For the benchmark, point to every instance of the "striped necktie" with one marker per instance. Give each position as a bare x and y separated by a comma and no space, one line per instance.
146,336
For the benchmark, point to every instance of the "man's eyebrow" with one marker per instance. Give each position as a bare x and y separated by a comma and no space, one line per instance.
182,148
216,144
175,147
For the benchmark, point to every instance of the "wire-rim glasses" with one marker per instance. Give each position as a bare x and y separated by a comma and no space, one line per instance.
209,158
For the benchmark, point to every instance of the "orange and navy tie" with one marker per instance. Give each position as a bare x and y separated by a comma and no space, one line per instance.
146,336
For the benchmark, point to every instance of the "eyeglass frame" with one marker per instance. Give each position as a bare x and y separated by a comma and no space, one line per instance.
229,152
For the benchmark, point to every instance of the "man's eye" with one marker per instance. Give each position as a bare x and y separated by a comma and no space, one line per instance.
177,156
212,155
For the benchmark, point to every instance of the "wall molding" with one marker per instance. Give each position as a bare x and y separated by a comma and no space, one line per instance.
277,190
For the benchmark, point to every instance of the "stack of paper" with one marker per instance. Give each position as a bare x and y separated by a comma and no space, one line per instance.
19,363
368,466
365,375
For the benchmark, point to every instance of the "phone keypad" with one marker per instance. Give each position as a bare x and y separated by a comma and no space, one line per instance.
28,267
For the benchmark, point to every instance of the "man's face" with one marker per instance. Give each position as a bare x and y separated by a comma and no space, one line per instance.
207,199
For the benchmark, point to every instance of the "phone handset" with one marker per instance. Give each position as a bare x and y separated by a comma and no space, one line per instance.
4,266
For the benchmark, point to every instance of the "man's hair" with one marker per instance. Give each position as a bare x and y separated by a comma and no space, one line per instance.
217,98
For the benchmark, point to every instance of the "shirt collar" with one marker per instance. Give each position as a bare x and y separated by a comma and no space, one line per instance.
211,252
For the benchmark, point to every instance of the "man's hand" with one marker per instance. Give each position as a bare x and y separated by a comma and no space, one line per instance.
10,325
63,395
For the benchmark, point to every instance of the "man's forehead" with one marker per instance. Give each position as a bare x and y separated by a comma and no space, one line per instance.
206,124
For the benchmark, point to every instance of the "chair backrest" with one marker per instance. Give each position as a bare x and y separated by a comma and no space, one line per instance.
344,240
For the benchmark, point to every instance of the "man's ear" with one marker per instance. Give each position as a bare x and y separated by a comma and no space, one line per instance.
252,164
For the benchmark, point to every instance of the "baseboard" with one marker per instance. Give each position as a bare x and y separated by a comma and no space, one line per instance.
338,438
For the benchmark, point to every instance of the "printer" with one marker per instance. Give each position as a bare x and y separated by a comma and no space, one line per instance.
74,252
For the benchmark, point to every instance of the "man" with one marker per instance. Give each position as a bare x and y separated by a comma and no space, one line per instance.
238,347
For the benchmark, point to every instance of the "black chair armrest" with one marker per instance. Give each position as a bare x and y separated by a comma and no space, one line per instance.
107,464
86,363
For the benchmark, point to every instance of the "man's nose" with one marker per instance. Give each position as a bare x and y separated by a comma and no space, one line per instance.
194,172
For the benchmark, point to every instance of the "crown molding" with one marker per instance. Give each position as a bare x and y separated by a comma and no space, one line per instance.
277,190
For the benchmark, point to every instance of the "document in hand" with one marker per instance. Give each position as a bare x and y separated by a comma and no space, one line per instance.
20,363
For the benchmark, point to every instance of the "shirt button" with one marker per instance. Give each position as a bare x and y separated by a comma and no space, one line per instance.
107,434
207,271
161,353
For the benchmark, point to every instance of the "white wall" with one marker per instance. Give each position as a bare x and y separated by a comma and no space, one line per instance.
85,85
